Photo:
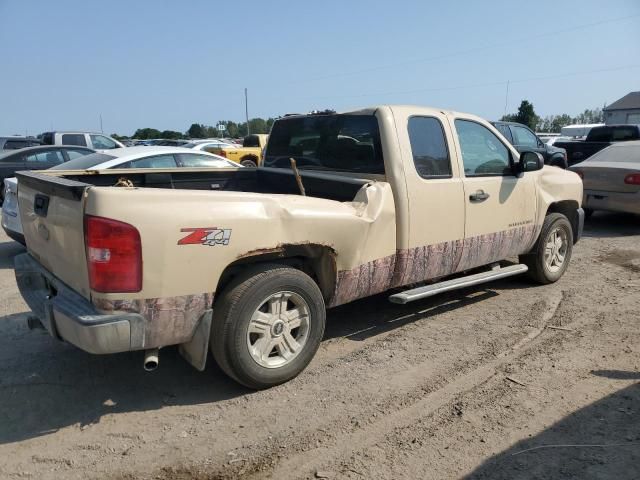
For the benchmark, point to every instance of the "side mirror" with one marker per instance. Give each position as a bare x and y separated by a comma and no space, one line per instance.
529,162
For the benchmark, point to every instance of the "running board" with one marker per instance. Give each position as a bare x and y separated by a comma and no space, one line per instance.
448,285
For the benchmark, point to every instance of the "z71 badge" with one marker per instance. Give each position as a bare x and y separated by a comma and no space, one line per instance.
206,236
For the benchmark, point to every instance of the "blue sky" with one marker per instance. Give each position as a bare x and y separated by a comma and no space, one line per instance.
165,65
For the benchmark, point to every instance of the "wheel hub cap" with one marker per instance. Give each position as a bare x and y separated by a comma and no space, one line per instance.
278,329
555,249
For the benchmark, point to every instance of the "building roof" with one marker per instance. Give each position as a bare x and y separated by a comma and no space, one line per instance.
629,101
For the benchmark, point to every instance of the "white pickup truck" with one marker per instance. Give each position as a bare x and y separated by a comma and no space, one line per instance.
402,198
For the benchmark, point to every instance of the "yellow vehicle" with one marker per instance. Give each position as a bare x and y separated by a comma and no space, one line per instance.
250,154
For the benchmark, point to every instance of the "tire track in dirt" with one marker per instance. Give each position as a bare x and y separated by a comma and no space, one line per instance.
303,452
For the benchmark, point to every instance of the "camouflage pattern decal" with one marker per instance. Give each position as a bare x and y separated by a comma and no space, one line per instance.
430,262
367,279
169,320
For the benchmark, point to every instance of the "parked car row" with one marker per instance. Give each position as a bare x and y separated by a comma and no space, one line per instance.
77,158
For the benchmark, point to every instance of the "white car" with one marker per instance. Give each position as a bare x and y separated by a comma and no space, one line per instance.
128,157
207,144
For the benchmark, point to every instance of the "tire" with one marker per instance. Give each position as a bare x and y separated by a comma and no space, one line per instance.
246,323
543,269
248,162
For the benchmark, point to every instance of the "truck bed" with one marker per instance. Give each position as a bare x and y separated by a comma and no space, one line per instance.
261,180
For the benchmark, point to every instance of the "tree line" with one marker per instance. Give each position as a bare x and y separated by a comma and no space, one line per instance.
551,123
198,130
526,115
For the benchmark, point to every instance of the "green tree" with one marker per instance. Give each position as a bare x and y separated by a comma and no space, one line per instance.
196,130
171,134
526,115
146,133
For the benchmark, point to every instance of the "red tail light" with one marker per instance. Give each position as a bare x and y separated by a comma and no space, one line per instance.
580,174
114,255
632,179
223,153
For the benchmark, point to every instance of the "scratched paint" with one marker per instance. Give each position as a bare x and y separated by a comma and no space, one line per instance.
169,320
430,262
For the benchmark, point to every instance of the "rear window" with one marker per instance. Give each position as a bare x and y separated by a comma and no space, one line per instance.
74,139
82,163
619,152
613,134
15,144
347,143
251,141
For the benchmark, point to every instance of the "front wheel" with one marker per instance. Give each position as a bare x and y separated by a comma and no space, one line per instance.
267,325
551,254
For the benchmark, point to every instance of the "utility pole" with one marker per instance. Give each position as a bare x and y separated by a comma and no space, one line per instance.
101,130
506,98
246,110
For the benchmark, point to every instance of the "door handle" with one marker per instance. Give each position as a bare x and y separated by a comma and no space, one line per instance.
479,196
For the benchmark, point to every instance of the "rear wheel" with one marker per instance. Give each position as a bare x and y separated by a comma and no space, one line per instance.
249,162
551,254
267,325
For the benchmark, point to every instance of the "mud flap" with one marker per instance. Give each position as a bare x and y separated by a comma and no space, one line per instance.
195,350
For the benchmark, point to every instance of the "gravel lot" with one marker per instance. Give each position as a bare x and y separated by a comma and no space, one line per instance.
472,384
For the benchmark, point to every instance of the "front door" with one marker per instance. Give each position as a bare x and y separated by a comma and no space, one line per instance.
500,207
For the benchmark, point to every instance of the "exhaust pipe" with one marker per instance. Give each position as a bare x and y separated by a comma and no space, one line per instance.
151,359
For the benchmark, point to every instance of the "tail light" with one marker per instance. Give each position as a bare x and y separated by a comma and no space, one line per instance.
114,255
580,174
632,179
223,153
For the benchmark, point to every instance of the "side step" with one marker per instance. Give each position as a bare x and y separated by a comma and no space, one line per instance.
462,282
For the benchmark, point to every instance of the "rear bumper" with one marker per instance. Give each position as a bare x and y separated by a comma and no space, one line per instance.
68,316
612,201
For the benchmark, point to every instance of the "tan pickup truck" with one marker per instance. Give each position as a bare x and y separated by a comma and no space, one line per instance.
405,199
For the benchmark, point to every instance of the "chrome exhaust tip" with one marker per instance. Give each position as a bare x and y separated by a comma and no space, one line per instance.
151,359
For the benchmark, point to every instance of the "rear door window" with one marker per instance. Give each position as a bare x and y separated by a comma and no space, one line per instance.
429,147
15,144
159,161
504,130
523,137
53,158
195,160
74,139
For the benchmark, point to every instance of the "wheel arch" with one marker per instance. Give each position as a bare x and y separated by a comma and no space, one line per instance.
316,260
568,208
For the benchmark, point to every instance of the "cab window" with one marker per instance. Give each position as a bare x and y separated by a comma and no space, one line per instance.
429,147
483,153
100,142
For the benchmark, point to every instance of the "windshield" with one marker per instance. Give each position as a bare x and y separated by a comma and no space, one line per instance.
348,143
82,163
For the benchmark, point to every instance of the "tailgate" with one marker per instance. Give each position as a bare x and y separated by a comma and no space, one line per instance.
52,214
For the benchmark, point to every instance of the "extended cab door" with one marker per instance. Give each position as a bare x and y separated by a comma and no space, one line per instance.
499,206
436,198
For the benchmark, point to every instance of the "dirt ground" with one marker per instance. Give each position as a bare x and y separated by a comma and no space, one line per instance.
503,381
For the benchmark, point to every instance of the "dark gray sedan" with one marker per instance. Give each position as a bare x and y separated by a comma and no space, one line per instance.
611,179
36,158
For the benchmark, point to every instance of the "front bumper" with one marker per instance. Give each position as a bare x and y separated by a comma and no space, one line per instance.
68,316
